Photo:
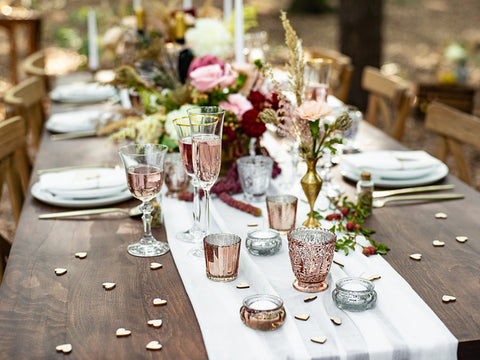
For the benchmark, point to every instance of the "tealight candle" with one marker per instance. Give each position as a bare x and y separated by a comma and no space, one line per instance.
354,294
263,312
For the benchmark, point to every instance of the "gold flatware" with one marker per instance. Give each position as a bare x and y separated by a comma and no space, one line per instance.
73,135
65,168
385,193
135,211
377,203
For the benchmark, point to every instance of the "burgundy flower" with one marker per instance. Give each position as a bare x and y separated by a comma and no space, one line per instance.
251,125
256,98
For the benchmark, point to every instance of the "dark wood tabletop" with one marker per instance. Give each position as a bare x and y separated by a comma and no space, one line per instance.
40,310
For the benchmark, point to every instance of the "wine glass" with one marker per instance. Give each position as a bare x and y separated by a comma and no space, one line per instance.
206,124
182,126
317,79
144,169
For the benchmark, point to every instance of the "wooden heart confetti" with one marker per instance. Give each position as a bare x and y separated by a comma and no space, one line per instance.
108,285
461,239
123,332
417,257
336,320
60,271
252,224
374,277
81,254
154,345
303,317
310,298
159,302
319,339
243,285
448,298
65,348
155,265
155,323
441,215
438,243
338,263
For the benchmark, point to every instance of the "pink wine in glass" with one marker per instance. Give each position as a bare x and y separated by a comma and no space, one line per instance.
317,92
144,181
185,145
207,154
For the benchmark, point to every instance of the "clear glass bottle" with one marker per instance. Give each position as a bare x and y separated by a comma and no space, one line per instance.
365,190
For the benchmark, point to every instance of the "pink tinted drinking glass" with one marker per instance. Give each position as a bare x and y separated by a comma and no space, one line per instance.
317,79
311,255
144,170
206,124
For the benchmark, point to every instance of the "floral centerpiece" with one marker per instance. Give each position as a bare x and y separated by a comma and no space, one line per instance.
307,121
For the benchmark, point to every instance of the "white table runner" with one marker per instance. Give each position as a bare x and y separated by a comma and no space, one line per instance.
401,326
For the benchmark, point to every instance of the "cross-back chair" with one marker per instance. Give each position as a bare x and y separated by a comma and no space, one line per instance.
390,100
34,65
342,71
454,128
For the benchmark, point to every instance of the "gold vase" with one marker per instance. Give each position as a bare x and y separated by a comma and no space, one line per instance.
311,185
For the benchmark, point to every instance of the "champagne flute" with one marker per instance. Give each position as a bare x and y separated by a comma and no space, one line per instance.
182,126
206,125
144,170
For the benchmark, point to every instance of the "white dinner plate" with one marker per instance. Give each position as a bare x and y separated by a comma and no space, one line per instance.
87,193
48,198
82,93
79,121
437,173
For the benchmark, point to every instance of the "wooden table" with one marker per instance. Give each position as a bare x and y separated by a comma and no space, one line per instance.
40,310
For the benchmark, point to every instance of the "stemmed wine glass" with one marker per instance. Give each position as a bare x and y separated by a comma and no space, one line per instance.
182,127
144,169
206,124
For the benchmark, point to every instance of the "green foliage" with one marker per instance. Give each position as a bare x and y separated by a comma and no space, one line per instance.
69,38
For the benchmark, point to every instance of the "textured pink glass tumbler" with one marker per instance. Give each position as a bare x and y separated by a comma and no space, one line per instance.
311,255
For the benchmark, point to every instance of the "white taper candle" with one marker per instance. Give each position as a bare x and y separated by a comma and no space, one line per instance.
187,4
239,35
92,41
227,9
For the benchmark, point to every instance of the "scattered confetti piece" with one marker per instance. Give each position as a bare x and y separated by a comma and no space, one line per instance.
374,277
123,332
159,302
461,239
448,298
438,243
81,255
65,348
243,285
339,264
60,271
319,339
310,298
154,345
441,215
303,317
417,257
155,265
252,224
155,323
108,285
336,320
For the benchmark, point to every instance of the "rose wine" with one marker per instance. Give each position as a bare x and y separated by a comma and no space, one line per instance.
144,181
316,92
207,154
185,145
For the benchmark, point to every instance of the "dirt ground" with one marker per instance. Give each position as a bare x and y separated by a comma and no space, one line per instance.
415,35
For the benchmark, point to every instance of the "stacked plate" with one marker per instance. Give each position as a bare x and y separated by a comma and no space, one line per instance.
82,187
82,93
80,121
394,168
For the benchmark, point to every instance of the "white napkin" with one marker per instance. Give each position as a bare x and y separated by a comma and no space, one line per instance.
83,120
392,164
86,182
82,92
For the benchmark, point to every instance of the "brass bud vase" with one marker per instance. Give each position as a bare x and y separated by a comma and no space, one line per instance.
311,185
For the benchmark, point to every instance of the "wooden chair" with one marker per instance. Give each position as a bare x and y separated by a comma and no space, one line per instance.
342,71
34,65
454,128
26,99
390,100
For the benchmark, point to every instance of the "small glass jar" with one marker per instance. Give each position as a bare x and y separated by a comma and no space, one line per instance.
263,312
264,242
354,294
365,190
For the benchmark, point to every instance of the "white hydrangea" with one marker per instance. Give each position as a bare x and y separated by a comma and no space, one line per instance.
172,115
329,120
209,36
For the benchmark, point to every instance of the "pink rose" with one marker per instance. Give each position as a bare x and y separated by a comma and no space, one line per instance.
313,110
204,61
207,78
237,104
